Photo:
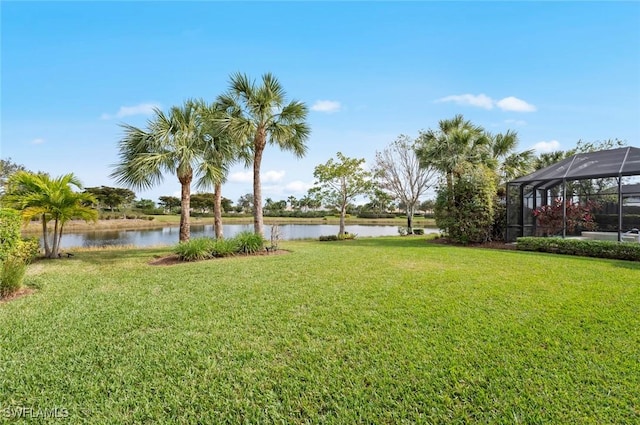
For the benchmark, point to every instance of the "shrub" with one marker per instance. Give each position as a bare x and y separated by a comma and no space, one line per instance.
369,214
403,231
418,231
195,249
28,249
328,238
550,218
248,242
346,236
466,213
224,247
9,232
587,248
12,275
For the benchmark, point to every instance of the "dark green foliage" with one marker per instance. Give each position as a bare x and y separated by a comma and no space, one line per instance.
585,248
249,242
369,214
418,231
9,232
224,247
12,272
466,214
499,227
338,237
296,213
195,249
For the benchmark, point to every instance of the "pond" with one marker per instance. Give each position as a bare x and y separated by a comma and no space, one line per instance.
169,235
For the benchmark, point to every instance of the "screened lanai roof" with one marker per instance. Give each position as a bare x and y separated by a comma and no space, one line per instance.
592,165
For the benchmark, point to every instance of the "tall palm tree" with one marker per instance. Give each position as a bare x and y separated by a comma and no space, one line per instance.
39,196
257,115
508,163
221,152
173,143
456,142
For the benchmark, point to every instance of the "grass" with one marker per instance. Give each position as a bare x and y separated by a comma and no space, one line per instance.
378,330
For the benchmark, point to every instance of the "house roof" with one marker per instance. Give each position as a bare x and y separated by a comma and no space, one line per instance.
591,165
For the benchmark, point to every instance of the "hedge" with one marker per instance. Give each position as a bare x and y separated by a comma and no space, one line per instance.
585,248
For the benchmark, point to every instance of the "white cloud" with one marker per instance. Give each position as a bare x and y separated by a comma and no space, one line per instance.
515,122
328,106
543,147
37,141
481,100
241,177
127,111
514,104
510,103
270,176
298,186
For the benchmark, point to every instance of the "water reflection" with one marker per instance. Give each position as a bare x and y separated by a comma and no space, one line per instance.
169,235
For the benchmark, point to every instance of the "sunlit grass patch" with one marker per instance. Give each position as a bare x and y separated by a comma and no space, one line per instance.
377,330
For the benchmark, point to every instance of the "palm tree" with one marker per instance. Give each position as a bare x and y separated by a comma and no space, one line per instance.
39,196
256,115
221,153
173,143
456,141
508,163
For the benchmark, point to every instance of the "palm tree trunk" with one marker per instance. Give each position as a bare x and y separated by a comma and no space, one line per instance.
54,249
45,237
258,225
217,210
59,239
185,206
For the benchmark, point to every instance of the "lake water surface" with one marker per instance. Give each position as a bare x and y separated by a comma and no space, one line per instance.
169,235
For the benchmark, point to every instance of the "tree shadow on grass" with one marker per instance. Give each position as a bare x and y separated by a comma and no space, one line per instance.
631,265
396,242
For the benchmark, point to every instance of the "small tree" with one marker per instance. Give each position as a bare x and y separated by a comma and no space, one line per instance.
169,203
39,196
339,182
398,172
470,219
111,197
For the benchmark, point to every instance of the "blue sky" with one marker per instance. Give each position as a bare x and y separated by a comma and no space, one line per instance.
370,71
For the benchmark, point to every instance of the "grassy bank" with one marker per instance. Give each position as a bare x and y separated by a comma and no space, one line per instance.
380,330
160,221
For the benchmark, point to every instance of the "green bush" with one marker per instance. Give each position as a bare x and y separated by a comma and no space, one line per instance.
195,249
347,235
368,214
9,232
12,272
325,238
248,242
465,213
586,248
224,247
28,249
418,231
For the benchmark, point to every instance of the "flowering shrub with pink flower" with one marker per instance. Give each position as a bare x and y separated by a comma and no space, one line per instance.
549,217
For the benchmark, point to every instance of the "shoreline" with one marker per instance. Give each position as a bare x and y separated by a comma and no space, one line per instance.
75,226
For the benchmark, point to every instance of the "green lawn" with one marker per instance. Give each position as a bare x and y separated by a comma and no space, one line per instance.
381,330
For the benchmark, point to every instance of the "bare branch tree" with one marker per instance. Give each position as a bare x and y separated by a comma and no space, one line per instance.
397,171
